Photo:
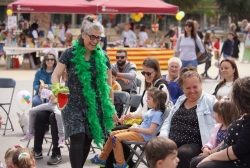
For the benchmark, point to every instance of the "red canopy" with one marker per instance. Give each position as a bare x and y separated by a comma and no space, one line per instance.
94,6
52,6
135,6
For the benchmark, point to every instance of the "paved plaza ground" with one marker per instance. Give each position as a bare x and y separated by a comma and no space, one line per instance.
24,79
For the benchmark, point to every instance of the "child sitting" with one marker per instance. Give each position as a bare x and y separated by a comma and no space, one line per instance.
9,154
50,106
23,158
223,118
161,152
156,101
115,84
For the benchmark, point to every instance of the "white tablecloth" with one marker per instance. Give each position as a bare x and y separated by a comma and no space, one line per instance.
11,50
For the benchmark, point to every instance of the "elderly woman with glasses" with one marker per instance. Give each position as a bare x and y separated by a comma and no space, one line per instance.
174,66
89,113
189,46
191,121
43,77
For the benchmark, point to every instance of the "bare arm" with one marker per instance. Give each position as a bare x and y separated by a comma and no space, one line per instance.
60,68
149,131
109,81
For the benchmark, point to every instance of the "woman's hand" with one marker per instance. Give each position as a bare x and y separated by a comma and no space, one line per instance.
52,99
121,120
115,119
207,159
128,116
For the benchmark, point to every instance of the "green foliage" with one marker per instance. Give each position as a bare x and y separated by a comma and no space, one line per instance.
184,4
235,8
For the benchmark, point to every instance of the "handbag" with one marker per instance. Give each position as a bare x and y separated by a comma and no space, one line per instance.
205,56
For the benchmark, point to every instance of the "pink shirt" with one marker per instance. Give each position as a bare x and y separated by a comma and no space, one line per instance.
212,142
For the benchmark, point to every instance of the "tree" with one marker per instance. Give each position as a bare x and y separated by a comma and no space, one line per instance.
235,8
184,4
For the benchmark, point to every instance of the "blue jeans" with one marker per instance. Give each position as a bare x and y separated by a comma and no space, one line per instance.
36,100
226,56
189,63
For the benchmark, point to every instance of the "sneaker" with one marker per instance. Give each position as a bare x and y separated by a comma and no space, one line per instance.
97,161
125,165
61,143
55,159
27,137
38,155
207,77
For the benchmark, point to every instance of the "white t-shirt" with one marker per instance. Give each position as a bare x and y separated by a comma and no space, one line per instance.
130,37
143,36
35,34
61,34
225,90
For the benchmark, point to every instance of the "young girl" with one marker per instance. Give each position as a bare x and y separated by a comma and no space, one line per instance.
223,118
161,152
23,158
156,100
50,106
9,154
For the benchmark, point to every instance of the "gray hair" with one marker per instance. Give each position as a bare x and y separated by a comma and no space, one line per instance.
89,24
232,25
244,20
175,59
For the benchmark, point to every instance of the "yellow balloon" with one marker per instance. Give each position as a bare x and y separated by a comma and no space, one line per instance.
9,12
137,18
133,15
178,16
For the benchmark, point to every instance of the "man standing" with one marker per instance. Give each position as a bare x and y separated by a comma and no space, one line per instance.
126,71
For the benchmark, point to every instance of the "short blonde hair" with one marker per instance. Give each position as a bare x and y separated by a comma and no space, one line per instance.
174,59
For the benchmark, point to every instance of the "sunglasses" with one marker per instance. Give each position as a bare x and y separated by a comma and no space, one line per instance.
120,57
50,59
188,25
146,73
93,37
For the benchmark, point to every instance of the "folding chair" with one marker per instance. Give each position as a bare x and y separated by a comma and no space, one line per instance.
138,84
7,83
123,98
127,87
134,102
141,145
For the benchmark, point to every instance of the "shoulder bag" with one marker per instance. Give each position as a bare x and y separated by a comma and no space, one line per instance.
205,56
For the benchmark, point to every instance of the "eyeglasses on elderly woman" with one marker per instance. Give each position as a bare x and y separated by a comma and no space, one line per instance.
93,37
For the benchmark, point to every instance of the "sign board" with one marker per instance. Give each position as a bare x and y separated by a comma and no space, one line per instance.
12,22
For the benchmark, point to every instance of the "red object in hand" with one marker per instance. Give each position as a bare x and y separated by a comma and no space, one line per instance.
62,100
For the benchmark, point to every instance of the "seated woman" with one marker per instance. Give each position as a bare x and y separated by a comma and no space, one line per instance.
235,151
174,66
191,122
43,77
153,78
229,72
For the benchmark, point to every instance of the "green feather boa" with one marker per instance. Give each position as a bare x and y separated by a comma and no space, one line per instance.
103,89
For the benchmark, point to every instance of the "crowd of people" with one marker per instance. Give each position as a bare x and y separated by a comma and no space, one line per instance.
188,136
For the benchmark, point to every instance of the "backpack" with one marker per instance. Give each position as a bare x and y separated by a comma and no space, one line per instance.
118,106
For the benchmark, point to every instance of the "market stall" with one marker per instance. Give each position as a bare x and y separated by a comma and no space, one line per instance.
135,55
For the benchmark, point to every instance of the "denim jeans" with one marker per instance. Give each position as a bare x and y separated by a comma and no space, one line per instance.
226,56
36,100
189,63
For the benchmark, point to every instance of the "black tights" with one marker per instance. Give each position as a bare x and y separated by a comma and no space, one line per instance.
186,152
79,149
207,66
216,164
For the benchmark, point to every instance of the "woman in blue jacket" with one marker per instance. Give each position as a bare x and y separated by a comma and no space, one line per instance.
43,77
